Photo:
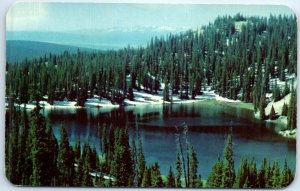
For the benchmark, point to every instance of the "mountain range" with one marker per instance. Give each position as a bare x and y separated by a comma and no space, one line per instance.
30,44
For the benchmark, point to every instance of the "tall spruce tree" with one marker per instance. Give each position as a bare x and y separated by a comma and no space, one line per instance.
170,179
65,161
228,170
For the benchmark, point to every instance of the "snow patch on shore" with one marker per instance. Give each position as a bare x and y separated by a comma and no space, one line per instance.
289,133
140,98
278,105
99,102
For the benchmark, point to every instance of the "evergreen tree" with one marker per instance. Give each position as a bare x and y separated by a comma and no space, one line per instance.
242,175
262,107
286,177
86,179
252,178
272,113
228,170
292,111
146,182
262,175
178,172
275,175
284,110
170,179
41,148
156,179
215,177
141,163
193,168
65,159
13,172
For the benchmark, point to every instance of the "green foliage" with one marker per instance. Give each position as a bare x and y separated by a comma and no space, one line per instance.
292,111
275,175
44,162
284,110
156,179
174,60
242,180
272,113
146,182
170,179
228,170
215,177
193,165
178,172
286,177
65,159
276,94
141,163
41,141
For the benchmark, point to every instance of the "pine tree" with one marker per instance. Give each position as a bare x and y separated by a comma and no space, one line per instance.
252,178
262,175
170,179
156,179
242,175
146,182
228,171
284,110
262,107
86,166
292,111
41,153
215,177
286,177
272,113
193,167
65,159
77,150
178,171
275,175
141,163
13,172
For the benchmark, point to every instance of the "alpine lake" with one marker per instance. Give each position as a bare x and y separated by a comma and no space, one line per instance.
208,124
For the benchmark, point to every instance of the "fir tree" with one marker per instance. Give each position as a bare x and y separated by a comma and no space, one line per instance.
178,172
286,177
228,170
215,177
292,111
65,159
170,179
193,167
272,113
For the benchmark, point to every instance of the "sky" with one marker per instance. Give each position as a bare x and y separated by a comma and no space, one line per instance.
64,17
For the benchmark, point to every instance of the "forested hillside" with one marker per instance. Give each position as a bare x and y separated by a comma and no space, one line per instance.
239,57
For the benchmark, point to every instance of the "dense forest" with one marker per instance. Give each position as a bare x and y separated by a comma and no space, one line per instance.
34,157
238,57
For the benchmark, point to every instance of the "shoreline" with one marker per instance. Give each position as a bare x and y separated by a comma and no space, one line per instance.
143,98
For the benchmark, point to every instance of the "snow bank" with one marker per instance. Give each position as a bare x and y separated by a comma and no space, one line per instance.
99,102
278,105
65,104
220,98
289,133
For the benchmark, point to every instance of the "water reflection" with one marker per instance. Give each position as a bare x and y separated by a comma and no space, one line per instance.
208,123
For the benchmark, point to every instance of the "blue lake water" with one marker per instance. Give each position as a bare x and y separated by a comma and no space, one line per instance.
208,123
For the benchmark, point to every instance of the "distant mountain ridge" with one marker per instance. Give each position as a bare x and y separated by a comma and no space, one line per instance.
102,39
18,50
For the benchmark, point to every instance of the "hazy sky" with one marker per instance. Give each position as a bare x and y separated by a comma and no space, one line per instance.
80,16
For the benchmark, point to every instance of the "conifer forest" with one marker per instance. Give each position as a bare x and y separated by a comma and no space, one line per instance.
248,60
